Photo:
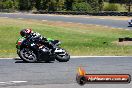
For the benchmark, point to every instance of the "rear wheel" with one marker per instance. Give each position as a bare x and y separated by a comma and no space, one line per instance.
27,55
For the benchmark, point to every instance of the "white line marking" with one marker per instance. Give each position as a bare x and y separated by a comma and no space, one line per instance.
101,18
20,18
87,17
11,82
2,82
50,15
97,25
90,24
9,58
4,17
66,16
80,23
96,56
106,26
44,20
69,22
120,28
59,21
18,81
82,56
113,27
127,29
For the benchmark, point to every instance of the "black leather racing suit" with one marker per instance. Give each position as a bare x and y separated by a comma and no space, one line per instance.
43,40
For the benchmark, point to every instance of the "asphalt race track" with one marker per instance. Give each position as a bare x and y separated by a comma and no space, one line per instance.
105,22
17,74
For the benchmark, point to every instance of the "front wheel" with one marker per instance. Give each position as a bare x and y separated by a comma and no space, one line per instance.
28,55
62,56
130,24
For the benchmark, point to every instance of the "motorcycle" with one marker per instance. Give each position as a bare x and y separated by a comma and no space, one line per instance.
130,22
31,50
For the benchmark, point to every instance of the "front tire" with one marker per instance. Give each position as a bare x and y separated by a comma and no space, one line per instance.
63,57
28,55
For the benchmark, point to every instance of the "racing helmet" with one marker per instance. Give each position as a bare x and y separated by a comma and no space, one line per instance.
25,32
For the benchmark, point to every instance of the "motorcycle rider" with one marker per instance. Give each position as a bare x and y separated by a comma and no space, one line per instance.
28,33
130,22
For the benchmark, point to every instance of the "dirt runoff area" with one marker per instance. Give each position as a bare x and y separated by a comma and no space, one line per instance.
124,43
97,17
114,17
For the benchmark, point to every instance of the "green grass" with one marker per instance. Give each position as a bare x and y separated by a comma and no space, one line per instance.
77,39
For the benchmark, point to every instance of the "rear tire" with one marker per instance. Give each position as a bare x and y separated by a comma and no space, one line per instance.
27,55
